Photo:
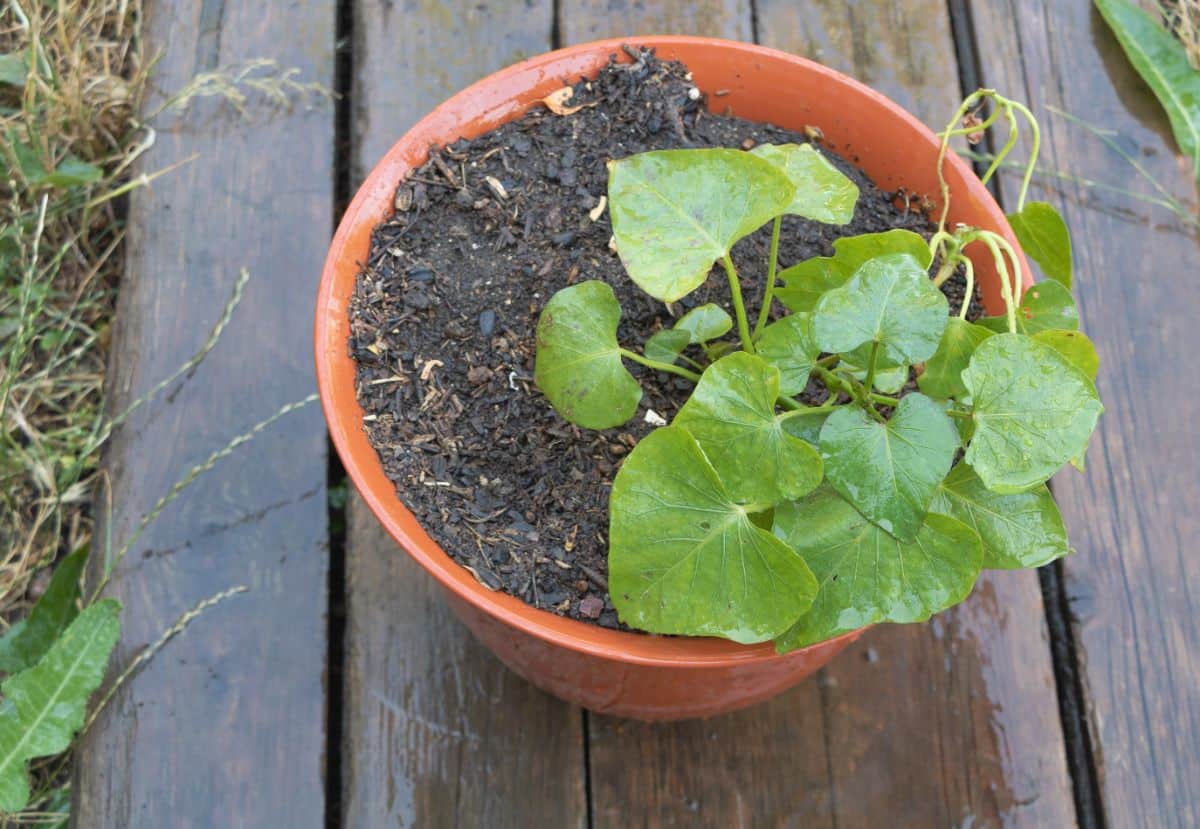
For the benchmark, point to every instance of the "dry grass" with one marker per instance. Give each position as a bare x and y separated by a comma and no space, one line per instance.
1183,18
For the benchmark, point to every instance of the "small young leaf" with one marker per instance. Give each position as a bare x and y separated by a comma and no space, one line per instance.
943,371
1075,346
1045,306
1044,236
805,283
1033,411
890,300
789,346
805,426
13,69
731,414
578,365
704,323
44,705
685,559
1020,530
666,345
1162,61
867,576
823,193
889,378
890,471
71,172
23,647
676,212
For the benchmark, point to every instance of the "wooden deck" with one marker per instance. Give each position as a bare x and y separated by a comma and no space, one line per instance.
339,692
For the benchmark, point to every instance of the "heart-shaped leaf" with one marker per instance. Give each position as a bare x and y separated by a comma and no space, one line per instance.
789,346
1044,236
805,283
889,377
704,323
1033,411
731,414
867,576
684,558
890,471
578,364
943,371
1075,346
675,212
1045,306
890,300
823,193
666,345
805,425
1023,529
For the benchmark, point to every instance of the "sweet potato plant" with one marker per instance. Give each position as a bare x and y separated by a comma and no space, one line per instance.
754,517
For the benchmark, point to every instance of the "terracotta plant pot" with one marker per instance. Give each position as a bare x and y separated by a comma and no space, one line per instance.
628,674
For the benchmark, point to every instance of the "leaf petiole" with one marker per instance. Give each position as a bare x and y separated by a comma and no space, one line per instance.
739,307
764,312
659,366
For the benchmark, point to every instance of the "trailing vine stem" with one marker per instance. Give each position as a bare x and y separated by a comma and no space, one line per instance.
764,312
739,307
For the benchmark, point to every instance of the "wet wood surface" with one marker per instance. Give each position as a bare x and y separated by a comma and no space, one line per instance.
951,723
437,732
225,725
1132,515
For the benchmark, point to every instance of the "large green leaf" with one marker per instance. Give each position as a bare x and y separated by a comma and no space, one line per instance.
731,414
1162,62
867,576
22,647
823,193
1033,411
1045,306
1044,236
44,705
675,212
684,558
1075,346
1023,529
890,300
943,371
805,283
578,364
789,346
704,323
890,471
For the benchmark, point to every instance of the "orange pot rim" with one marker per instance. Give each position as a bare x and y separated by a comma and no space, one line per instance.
336,369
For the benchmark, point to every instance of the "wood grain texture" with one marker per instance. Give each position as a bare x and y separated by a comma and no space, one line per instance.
1132,515
225,726
952,723
436,731
584,20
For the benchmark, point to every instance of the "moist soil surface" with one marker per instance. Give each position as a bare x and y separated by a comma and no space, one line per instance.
444,314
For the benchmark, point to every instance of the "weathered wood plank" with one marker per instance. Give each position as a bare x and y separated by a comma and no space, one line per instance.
584,20
437,732
225,726
1132,515
951,723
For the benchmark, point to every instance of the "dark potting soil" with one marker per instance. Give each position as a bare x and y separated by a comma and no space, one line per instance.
444,313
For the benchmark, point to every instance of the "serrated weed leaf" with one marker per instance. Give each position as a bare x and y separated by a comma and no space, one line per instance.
1033,412
1162,61
676,212
943,371
1044,237
1024,529
804,284
889,300
704,323
44,705
685,559
731,414
1075,346
823,193
1044,306
890,471
868,576
666,345
788,345
578,365
23,647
